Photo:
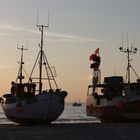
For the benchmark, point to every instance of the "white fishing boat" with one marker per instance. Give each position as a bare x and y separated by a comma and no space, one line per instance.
29,103
114,99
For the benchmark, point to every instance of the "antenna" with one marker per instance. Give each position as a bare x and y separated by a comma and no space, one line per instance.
17,42
48,18
40,25
21,48
129,51
127,41
122,40
134,41
27,43
37,18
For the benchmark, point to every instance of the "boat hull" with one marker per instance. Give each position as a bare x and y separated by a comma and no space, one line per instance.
42,108
129,111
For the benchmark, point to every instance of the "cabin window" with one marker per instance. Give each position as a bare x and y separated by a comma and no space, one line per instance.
90,91
32,89
25,89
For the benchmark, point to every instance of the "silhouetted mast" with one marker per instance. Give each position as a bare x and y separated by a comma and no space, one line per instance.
41,27
20,73
129,51
43,61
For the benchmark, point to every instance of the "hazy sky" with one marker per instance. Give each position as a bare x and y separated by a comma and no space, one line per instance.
77,28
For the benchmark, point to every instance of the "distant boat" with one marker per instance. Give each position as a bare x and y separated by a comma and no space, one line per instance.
114,99
29,103
77,104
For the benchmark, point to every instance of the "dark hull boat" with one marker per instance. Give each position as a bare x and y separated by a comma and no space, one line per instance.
28,103
114,99
76,104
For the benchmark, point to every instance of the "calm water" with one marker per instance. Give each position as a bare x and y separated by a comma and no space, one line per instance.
70,114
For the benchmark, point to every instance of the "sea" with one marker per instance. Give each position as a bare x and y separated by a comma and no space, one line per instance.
71,114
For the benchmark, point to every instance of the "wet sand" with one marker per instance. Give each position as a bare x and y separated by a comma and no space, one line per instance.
80,131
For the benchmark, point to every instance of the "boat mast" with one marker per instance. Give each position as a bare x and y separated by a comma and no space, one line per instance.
43,61
129,51
20,72
41,27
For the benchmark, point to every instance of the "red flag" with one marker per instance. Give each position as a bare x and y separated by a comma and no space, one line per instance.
97,51
92,57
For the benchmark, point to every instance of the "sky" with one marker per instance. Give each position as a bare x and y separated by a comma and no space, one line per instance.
76,29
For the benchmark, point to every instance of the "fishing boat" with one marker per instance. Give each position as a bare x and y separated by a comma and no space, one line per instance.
76,104
28,102
115,99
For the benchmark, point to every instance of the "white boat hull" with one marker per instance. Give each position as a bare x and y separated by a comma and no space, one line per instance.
42,108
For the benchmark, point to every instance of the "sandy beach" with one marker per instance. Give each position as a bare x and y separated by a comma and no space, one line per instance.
80,131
